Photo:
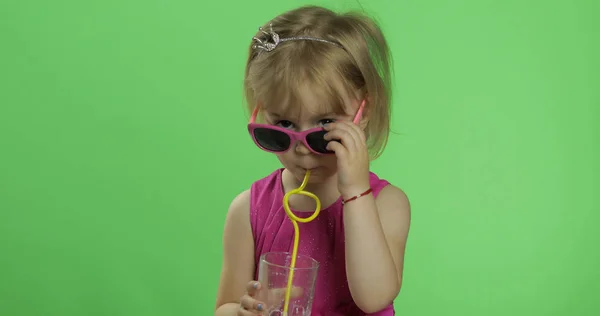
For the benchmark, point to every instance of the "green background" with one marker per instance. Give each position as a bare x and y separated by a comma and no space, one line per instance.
123,141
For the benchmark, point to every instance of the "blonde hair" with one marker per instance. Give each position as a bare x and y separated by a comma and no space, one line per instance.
360,69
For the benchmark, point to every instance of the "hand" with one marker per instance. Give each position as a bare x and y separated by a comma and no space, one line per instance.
248,304
352,157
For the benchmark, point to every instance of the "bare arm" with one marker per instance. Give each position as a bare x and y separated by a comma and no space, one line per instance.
238,256
376,231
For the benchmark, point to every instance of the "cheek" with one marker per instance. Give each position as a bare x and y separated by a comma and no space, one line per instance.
330,161
285,159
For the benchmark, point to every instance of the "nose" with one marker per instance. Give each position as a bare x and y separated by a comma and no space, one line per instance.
301,148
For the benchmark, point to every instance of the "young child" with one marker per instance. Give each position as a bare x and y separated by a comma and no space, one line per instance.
312,73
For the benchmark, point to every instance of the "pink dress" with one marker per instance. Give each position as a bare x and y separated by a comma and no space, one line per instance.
321,239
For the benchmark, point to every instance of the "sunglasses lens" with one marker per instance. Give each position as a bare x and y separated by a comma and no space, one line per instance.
272,140
317,142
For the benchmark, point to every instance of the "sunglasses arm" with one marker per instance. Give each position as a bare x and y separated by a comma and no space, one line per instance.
359,113
254,115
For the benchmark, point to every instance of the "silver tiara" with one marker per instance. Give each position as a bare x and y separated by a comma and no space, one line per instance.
269,46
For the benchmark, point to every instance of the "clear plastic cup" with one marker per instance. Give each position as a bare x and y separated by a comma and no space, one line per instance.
274,270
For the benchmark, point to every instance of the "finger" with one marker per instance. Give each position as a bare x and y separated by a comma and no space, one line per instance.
355,135
354,129
252,287
339,149
248,303
338,135
243,312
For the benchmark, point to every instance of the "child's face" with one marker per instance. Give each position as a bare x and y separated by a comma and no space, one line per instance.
299,158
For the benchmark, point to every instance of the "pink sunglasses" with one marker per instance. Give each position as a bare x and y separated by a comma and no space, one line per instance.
275,139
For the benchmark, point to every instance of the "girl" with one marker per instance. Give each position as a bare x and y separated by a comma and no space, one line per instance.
312,73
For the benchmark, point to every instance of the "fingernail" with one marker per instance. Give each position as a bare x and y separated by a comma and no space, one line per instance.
255,285
259,307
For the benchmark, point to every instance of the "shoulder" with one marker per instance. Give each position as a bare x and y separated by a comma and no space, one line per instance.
240,210
392,202
387,192
393,207
238,214
240,202
393,196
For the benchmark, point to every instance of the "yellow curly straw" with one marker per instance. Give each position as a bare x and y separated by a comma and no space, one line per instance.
295,219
